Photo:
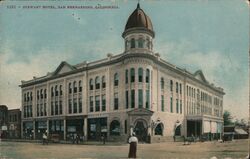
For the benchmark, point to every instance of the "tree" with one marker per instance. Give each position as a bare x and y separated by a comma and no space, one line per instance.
227,118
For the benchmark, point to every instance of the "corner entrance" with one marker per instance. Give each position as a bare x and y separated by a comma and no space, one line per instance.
140,131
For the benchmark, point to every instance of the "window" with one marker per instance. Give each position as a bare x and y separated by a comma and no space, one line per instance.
97,103
159,129
45,93
52,108
147,76
60,107
75,87
162,103
132,98
80,86
116,101
31,96
45,109
91,104
104,102
140,75
171,104
41,93
132,75
60,89
125,127
74,105
148,44
28,96
180,88
91,84
140,100
176,87
126,76
162,83
177,106
56,91
115,128
132,43
37,95
70,106
140,43
103,82
37,110
56,108
147,99
97,82
25,97
127,100
41,109
80,105
116,79
70,88
171,85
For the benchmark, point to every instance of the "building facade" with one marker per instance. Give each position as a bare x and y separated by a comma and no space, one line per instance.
135,91
14,123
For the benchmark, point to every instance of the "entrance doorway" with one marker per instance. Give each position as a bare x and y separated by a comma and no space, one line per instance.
140,131
194,128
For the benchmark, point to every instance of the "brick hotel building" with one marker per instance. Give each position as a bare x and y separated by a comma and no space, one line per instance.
136,91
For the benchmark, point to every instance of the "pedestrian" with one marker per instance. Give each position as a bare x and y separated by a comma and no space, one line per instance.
45,138
133,141
103,139
77,139
174,137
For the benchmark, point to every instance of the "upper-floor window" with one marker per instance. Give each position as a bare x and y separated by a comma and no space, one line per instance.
132,75
70,88
52,91
140,75
132,43
60,89
176,87
116,79
28,96
148,43
162,83
56,91
37,94
140,43
116,101
103,82
80,86
97,82
75,87
41,93
91,84
147,76
25,97
171,85
180,88
31,96
45,93
126,76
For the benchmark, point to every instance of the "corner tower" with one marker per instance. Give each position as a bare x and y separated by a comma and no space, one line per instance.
138,33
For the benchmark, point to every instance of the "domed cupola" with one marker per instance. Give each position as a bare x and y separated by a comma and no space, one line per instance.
138,32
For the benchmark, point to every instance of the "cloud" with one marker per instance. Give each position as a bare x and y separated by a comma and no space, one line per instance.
13,72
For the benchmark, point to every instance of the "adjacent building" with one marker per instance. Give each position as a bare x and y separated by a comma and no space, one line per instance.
135,91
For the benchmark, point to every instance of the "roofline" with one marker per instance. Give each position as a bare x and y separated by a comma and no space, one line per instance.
119,58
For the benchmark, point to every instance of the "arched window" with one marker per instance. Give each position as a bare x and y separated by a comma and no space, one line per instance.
116,79
37,94
126,76
162,83
115,128
70,88
147,76
132,75
140,75
41,93
80,86
177,131
126,44
132,45
52,92
45,93
140,43
171,85
91,84
159,129
75,87
60,89
56,91
97,82
103,82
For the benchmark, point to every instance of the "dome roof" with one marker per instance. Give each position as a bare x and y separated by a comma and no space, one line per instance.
138,19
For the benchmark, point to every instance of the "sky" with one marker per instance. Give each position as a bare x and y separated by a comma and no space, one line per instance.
211,35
